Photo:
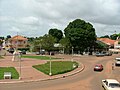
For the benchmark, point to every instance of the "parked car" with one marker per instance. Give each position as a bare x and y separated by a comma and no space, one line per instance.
98,67
37,53
11,50
110,84
98,54
107,53
23,52
115,52
41,52
117,61
51,53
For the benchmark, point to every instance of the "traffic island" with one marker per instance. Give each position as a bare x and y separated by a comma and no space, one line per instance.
8,73
56,67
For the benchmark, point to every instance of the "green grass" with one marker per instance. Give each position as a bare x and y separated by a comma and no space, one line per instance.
40,57
13,71
1,57
58,67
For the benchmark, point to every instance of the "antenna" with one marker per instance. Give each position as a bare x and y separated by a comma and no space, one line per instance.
17,42
115,31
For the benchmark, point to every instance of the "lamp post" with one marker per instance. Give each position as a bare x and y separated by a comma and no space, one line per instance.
0,50
20,64
50,73
63,50
40,52
88,50
72,54
72,58
18,56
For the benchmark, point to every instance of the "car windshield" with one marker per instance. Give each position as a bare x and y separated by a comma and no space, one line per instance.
117,58
97,66
114,85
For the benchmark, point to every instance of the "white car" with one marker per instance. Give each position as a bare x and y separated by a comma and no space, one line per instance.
117,61
111,84
100,54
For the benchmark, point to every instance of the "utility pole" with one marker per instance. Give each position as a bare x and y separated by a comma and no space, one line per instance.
20,64
72,58
50,73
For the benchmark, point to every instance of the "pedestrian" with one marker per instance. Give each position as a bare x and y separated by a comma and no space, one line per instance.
112,66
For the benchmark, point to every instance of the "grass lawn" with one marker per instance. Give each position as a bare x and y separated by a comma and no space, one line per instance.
58,67
13,71
1,57
39,57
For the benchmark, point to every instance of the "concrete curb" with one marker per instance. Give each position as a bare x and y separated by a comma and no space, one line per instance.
45,79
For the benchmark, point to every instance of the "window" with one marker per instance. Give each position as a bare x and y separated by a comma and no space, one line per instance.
113,85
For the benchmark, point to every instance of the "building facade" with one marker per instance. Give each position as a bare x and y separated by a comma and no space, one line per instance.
18,42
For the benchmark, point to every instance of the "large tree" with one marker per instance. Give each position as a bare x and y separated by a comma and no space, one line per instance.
114,36
106,36
44,42
57,34
80,34
48,42
65,43
2,38
8,36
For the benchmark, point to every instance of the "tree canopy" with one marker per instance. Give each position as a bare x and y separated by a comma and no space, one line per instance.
80,34
114,36
8,36
48,42
106,36
57,34
44,42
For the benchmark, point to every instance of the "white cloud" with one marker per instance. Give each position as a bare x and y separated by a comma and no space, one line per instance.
29,20
15,29
36,17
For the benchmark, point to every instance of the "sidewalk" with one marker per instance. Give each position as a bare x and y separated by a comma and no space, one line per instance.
29,74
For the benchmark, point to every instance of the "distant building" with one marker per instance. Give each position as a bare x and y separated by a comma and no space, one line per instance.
107,41
117,43
17,42
114,45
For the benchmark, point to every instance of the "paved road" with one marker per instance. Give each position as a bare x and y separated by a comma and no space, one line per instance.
85,80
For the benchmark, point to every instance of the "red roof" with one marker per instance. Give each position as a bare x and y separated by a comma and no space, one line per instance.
107,41
18,37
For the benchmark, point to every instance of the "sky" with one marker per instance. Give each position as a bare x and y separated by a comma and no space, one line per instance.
34,18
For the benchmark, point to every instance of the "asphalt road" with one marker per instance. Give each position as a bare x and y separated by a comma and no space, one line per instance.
85,80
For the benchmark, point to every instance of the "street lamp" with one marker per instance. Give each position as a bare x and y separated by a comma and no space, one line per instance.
20,64
88,50
0,50
72,58
40,52
72,54
63,50
50,73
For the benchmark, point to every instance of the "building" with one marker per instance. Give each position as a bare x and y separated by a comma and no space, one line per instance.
17,42
107,41
117,43
114,45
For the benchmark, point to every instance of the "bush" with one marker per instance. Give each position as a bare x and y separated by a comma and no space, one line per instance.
24,49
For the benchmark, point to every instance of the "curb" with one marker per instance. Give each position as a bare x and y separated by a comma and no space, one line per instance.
45,79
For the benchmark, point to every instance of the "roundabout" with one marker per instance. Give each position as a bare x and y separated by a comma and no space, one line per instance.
30,74
88,79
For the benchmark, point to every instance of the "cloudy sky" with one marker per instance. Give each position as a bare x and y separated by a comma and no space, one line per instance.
36,17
